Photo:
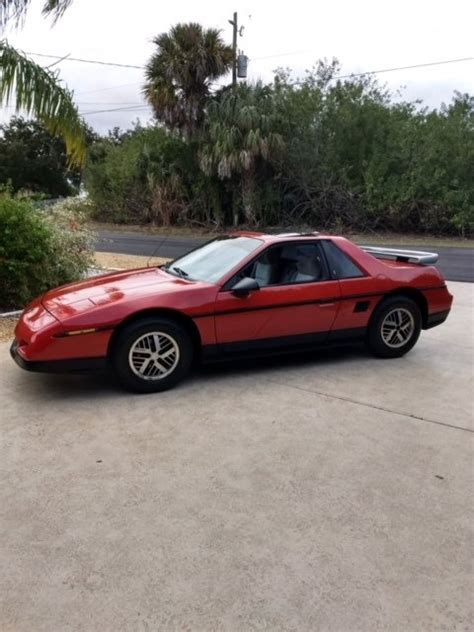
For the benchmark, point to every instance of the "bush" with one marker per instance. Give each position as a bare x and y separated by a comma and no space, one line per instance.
150,176
350,155
72,242
358,158
39,249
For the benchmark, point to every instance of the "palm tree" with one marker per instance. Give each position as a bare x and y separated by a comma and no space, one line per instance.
34,88
241,136
179,74
15,10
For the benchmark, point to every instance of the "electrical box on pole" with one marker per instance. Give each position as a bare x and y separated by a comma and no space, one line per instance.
242,64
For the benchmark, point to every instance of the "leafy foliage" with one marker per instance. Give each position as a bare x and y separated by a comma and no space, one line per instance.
146,175
35,89
357,159
15,10
179,74
241,135
38,92
39,250
72,242
34,160
318,152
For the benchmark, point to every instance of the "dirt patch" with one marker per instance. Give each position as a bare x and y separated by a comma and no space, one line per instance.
7,326
110,260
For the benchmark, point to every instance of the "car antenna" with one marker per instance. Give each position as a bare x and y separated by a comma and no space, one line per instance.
156,249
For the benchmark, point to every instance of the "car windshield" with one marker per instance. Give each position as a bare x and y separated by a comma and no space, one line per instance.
214,260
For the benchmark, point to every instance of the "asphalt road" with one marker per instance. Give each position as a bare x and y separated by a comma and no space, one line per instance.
457,264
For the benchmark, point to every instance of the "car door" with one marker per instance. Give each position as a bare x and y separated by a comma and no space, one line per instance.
360,292
290,308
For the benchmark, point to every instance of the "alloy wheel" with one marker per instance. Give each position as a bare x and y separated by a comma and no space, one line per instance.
154,356
397,327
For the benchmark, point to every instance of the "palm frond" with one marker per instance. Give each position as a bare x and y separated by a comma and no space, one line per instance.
37,91
12,10
56,8
178,75
15,10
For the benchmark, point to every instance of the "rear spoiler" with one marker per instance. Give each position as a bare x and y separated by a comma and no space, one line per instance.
408,256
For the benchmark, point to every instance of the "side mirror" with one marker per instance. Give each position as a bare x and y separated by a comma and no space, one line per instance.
245,286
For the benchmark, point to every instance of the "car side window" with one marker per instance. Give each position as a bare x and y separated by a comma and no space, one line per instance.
342,267
287,264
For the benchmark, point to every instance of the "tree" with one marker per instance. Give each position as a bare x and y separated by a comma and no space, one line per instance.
142,177
242,135
37,90
179,75
33,159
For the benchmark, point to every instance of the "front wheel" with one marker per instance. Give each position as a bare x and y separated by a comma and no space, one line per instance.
395,327
152,355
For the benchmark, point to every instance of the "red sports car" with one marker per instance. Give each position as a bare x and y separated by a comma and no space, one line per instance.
243,293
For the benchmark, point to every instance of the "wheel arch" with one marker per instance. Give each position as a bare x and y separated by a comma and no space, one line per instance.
408,292
185,321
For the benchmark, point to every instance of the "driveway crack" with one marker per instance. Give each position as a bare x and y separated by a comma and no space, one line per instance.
373,406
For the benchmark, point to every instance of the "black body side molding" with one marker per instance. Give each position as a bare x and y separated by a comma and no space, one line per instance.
280,345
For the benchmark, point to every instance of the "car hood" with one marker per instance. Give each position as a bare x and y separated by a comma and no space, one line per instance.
109,288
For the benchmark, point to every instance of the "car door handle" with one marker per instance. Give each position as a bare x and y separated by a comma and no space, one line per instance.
327,304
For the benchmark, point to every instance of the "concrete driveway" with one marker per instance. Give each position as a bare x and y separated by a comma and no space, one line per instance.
333,493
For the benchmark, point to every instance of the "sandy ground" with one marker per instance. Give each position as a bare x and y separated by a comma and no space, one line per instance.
104,260
110,260
7,325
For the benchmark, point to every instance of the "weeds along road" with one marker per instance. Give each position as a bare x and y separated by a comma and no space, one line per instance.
457,264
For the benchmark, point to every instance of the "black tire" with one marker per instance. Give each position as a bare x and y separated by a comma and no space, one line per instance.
174,339
385,336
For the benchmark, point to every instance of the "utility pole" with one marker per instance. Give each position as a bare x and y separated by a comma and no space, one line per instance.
234,48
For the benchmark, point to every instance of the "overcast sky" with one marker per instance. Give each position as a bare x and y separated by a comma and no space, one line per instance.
363,35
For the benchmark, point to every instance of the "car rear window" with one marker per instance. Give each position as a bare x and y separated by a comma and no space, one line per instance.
342,266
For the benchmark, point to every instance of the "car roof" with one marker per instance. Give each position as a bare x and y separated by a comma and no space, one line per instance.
277,237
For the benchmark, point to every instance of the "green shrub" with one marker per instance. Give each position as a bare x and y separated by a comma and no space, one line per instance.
351,156
39,249
72,242
149,176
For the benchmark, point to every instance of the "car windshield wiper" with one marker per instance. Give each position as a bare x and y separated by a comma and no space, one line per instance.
180,271
169,267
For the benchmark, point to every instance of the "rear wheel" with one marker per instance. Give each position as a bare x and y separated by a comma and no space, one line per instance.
395,327
152,355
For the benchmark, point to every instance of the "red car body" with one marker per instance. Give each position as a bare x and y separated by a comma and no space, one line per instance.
74,326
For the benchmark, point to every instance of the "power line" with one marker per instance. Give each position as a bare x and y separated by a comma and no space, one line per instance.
367,72
381,70
86,61
116,87
122,85
124,103
137,107
126,109
432,63
361,74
